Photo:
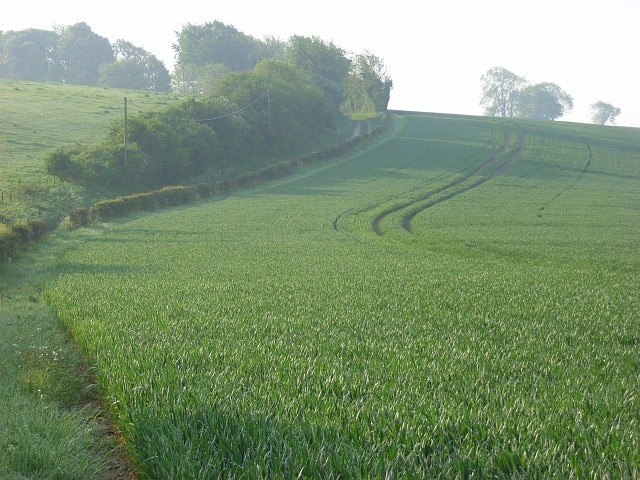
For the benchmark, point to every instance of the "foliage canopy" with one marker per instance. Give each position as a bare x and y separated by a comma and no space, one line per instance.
603,113
543,101
505,94
500,92
75,54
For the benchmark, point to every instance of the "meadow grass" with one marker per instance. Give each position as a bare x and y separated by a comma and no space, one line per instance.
279,334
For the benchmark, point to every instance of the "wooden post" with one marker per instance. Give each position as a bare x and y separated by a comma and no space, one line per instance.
269,108
125,132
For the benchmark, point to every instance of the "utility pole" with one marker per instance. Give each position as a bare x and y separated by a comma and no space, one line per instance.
125,131
269,107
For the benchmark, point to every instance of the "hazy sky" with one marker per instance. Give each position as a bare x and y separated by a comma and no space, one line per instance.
435,51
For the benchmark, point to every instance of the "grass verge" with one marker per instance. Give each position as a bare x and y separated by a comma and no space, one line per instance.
52,424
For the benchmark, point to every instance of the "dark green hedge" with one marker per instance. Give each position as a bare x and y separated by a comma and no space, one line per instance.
140,202
18,236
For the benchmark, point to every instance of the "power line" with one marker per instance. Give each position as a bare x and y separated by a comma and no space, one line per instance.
235,112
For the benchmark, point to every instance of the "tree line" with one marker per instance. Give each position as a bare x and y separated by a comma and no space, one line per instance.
205,54
271,99
75,54
506,94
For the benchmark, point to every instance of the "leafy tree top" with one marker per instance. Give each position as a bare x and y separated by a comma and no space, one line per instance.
603,113
499,92
216,42
505,94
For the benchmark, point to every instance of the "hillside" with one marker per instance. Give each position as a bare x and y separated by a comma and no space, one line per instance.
42,118
457,297
38,117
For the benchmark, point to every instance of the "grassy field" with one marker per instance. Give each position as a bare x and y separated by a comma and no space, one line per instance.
459,299
38,117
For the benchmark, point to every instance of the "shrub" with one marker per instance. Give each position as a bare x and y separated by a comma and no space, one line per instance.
8,242
38,229
105,210
61,163
79,217
22,233
140,202
175,195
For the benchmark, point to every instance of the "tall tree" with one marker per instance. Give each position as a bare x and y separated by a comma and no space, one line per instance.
204,53
317,57
80,54
543,101
368,88
357,102
326,63
195,79
603,113
215,42
500,89
284,107
134,68
27,54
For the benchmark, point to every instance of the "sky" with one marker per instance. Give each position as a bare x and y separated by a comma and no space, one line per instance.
435,51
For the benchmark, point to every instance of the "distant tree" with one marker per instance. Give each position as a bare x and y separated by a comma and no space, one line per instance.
269,47
185,78
79,55
358,103
27,54
603,113
543,101
199,80
368,87
215,42
326,63
500,89
134,68
205,53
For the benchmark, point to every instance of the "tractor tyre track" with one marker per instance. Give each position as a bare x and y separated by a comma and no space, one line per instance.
377,220
406,221
511,159
569,187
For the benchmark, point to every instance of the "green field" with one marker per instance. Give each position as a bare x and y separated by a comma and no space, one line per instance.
458,299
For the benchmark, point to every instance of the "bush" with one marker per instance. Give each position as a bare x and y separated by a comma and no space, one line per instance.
79,217
8,242
38,229
22,233
61,163
176,195
140,202
28,232
105,210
